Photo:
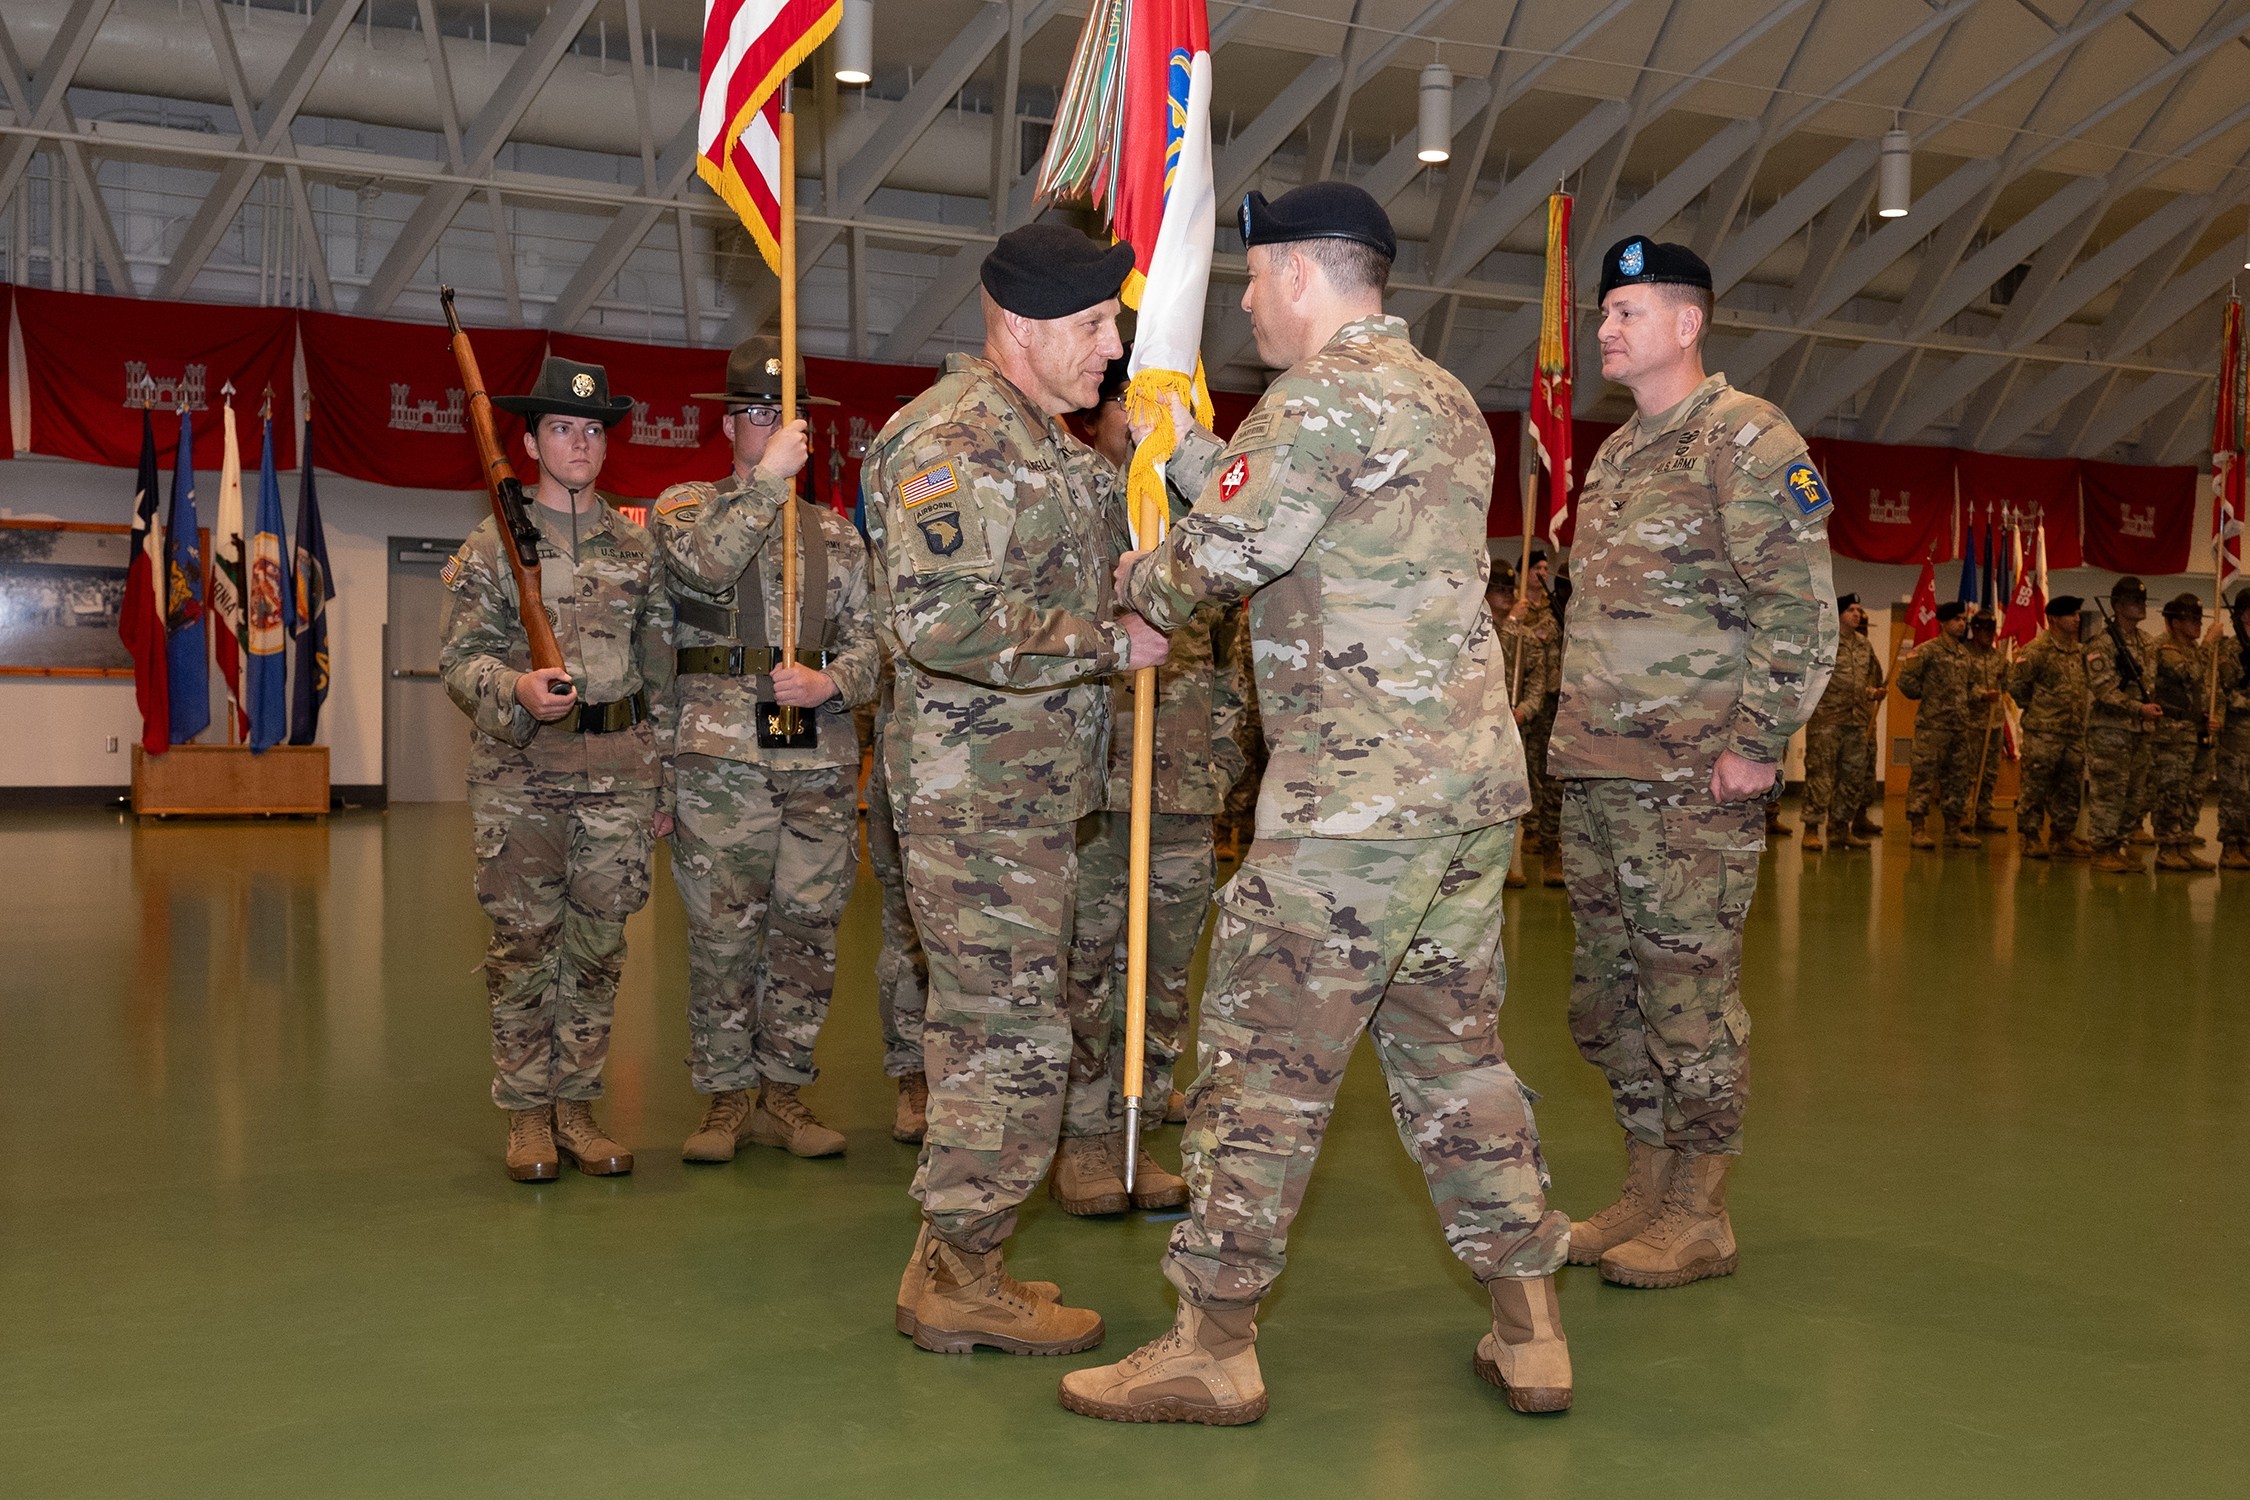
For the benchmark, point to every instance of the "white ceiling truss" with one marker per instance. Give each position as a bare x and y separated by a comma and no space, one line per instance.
2082,179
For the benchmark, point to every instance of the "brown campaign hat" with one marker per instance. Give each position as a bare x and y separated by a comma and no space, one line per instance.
754,376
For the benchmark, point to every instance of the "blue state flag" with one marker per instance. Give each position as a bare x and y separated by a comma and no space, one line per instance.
309,625
187,664
1969,575
271,609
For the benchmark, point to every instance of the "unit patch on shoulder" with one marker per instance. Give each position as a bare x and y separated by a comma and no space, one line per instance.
938,479
1803,482
452,570
941,533
1236,476
680,508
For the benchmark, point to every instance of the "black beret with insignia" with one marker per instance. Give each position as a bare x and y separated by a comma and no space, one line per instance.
1846,602
1638,260
1051,271
1318,211
1951,609
2066,604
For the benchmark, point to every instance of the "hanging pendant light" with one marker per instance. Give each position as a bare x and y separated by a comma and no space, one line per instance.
855,42
1436,135
1894,175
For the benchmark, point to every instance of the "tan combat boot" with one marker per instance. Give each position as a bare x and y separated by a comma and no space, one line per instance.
1204,1370
910,1121
1513,880
961,1300
589,1150
1526,1354
1849,838
2116,860
1088,1177
726,1125
2234,857
1813,843
2182,857
1919,836
1691,1238
1153,1187
1175,1109
1550,868
1963,838
1647,1170
2034,844
2141,836
1775,828
531,1145
910,1284
781,1119
2074,847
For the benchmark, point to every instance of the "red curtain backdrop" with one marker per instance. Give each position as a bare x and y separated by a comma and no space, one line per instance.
866,396
87,356
669,436
2048,486
1504,517
1891,501
2139,519
7,413
389,401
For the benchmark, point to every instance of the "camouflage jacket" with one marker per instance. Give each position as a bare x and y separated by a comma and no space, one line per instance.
2049,682
614,623
2234,681
994,532
1705,617
711,535
1859,675
1198,715
1525,659
2116,694
2182,684
1349,509
1942,675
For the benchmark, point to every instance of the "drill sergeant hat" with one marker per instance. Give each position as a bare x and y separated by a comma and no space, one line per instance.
754,376
1638,260
2184,607
566,388
2128,590
1048,271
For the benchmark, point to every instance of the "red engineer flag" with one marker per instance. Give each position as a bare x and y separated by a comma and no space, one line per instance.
1921,614
749,46
2027,607
1552,374
140,621
2227,475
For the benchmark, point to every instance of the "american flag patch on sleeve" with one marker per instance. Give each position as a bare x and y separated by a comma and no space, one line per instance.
939,479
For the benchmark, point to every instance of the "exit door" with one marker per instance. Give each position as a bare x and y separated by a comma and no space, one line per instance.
425,738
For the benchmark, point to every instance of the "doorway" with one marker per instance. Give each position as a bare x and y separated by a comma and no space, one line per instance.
425,738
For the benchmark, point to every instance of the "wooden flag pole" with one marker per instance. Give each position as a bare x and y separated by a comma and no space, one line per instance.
1148,530
788,716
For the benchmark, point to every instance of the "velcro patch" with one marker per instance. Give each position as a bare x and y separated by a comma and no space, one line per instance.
1257,429
1236,476
452,570
670,509
938,479
1803,484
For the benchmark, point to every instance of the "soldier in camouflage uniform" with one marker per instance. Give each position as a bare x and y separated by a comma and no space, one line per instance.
1348,508
1702,634
1528,665
1198,707
1988,746
765,851
566,778
1537,618
1943,678
994,531
2049,683
1230,648
2180,748
902,970
1839,749
2120,670
2233,772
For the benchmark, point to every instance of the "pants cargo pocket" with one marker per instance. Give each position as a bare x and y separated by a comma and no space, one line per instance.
1251,1158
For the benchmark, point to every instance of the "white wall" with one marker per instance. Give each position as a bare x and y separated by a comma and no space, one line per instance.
52,730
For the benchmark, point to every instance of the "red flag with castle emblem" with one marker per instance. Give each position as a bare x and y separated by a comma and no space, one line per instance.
2139,518
1921,613
392,403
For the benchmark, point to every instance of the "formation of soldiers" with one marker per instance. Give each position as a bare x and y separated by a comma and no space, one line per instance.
1420,711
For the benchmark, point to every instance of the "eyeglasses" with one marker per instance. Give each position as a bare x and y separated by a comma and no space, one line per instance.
760,416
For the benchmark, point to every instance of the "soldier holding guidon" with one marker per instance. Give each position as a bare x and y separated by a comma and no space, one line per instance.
2180,752
1839,744
2049,682
1943,677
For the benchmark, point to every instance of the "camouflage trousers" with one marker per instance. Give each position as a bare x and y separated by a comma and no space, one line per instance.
1839,771
1545,819
2054,768
764,859
1660,883
1944,765
558,872
2178,770
1317,940
994,912
902,973
1181,873
1986,748
2117,764
2233,779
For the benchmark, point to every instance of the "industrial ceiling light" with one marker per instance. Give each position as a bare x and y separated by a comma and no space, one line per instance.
855,42
1436,135
1894,175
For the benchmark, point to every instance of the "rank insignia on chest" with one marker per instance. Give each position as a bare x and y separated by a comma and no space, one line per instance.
1804,485
938,479
1236,476
941,533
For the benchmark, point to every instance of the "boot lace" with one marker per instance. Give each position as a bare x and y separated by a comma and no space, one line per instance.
785,1106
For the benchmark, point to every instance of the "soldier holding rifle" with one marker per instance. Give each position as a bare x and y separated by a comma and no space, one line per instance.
2120,665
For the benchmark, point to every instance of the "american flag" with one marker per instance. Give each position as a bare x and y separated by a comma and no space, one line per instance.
749,48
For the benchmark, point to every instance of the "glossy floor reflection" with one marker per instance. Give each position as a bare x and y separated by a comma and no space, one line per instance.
256,1239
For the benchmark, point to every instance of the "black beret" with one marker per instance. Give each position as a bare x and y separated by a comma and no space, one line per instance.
1846,602
2066,604
1052,271
1318,211
1638,260
1951,609
2130,588
2184,607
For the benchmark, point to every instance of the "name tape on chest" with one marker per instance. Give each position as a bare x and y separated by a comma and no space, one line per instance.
936,480
1804,485
1236,476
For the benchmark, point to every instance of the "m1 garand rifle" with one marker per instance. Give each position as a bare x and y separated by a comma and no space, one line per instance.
519,537
2128,665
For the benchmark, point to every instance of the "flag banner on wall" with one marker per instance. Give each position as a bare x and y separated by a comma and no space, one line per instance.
866,395
1891,501
187,669
749,46
2139,519
7,394
140,619
2227,449
1504,516
272,607
2044,490
391,393
313,588
226,573
1552,379
93,362
669,436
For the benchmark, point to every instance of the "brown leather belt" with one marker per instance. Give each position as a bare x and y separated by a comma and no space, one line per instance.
605,718
741,661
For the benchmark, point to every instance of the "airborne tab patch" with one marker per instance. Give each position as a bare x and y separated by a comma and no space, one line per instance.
938,479
1803,482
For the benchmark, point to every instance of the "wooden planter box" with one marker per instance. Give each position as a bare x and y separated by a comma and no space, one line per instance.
228,781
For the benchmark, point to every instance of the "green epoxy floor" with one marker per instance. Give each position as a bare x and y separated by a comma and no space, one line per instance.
255,1240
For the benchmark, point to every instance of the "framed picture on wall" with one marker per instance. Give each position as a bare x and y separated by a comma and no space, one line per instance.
61,586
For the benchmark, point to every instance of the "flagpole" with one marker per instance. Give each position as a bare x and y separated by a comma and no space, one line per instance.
1148,530
787,717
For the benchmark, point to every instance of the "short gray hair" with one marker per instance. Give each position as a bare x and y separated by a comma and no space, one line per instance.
1349,265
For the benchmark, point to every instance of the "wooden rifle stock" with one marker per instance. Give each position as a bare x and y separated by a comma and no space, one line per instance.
519,538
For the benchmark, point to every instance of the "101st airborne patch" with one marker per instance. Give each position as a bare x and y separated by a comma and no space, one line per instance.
941,533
